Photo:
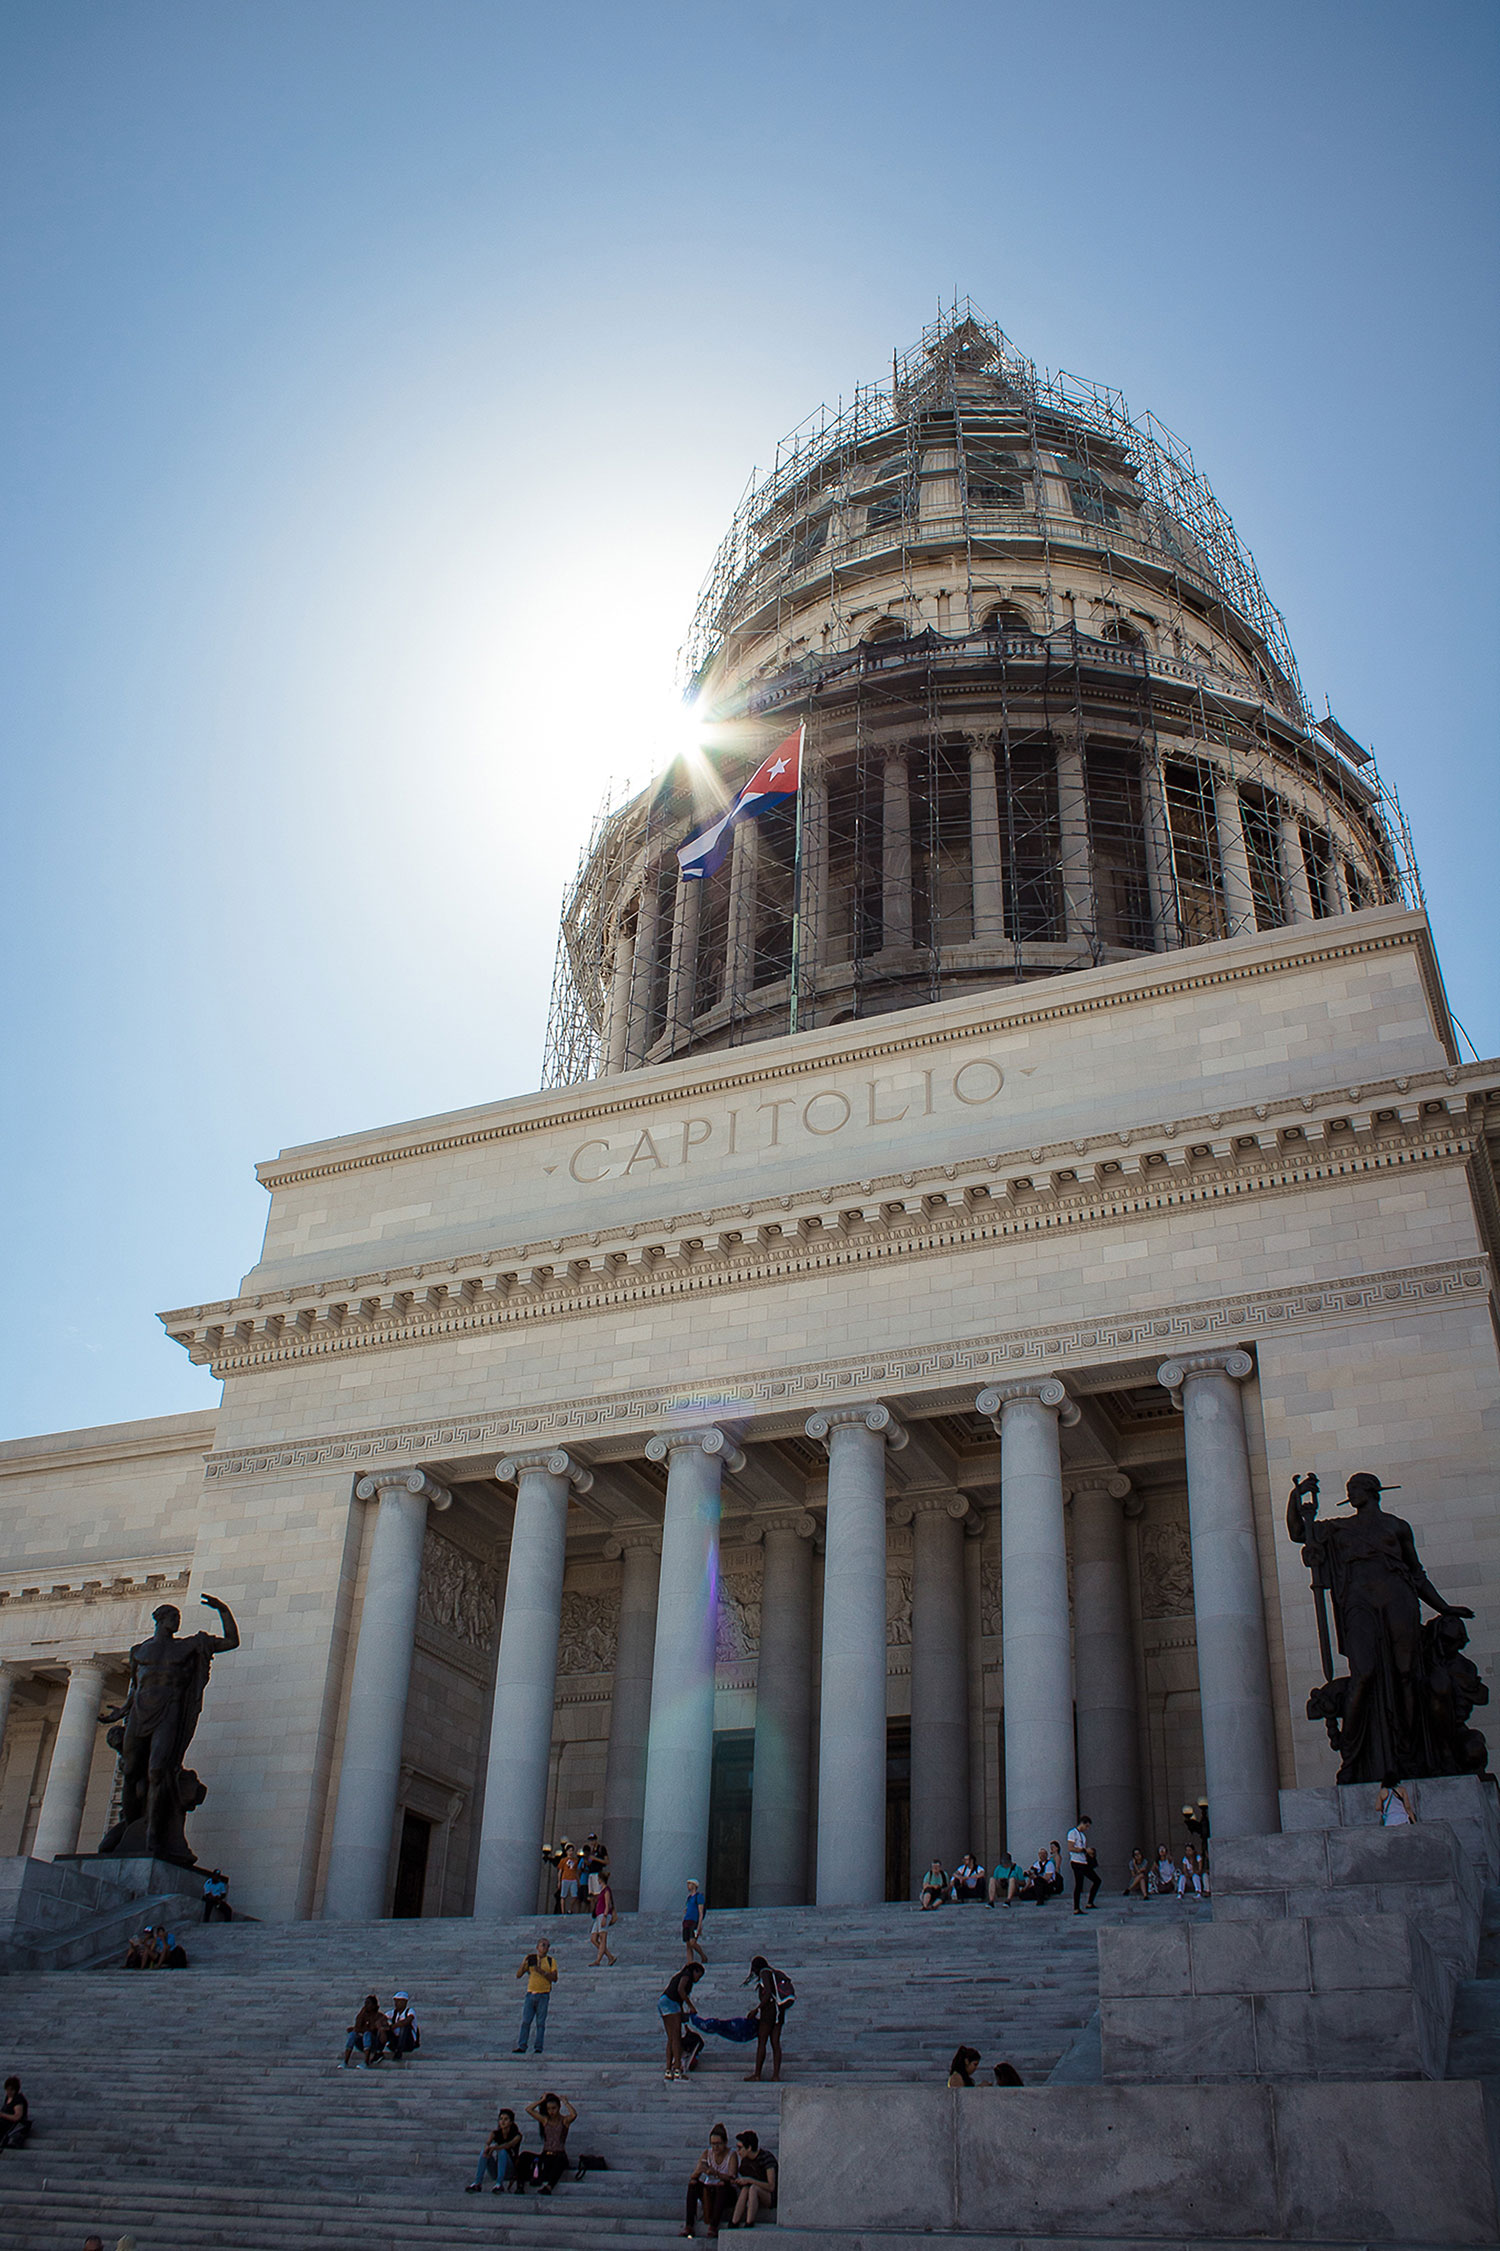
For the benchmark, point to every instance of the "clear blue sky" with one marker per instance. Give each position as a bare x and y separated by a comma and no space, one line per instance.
378,380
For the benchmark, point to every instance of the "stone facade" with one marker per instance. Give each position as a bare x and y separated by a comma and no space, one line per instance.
1256,1164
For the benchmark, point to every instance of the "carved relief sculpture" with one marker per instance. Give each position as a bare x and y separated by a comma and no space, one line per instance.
458,1593
587,1636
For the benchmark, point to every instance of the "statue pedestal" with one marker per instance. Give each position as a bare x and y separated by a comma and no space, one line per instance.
136,1876
1469,1805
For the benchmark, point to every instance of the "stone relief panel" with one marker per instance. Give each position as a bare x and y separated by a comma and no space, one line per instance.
458,1593
1166,1569
898,1610
989,1598
738,1637
590,1626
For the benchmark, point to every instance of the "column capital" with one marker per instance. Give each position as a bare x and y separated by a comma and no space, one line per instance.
1112,1482
624,1543
710,1440
941,1503
784,1520
1232,1362
981,741
873,1415
550,1459
413,1481
1047,1391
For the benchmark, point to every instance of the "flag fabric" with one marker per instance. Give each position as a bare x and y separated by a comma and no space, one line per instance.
775,780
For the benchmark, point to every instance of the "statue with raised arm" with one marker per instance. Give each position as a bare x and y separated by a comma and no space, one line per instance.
152,1730
1397,1709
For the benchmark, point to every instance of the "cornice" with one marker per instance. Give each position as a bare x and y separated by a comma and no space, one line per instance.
1081,993
931,1211
127,1585
953,1367
23,1458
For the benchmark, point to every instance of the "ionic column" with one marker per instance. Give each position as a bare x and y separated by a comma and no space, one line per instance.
61,1816
515,1790
1158,840
1234,859
984,844
682,974
939,1678
783,1715
643,969
979,1828
852,1734
639,1555
617,1003
370,1775
1073,838
680,1749
739,939
1234,1670
1293,857
1104,1668
895,849
1040,1796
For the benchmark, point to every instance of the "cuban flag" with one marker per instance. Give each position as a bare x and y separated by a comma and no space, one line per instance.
775,780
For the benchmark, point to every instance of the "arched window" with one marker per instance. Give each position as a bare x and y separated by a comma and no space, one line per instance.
1007,617
1127,635
885,629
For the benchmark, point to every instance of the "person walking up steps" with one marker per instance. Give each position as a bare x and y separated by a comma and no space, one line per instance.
774,1995
541,1973
1083,1858
694,1915
604,1915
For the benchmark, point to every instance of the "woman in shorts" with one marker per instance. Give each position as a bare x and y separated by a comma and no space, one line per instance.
604,1915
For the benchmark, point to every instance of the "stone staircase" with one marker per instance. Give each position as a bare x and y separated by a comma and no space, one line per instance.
208,2107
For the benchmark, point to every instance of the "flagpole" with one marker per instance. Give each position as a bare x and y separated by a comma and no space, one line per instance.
797,886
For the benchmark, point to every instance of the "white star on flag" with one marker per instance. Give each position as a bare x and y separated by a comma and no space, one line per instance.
704,853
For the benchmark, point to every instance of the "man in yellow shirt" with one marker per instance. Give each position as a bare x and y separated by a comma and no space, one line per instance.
541,1973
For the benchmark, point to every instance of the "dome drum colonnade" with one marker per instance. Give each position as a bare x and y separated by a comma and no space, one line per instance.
1052,721
662,1725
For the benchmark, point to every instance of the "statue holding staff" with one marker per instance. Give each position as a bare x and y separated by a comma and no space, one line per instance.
1390,1714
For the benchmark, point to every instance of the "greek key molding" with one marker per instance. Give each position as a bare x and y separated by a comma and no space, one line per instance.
926,1212
945,1366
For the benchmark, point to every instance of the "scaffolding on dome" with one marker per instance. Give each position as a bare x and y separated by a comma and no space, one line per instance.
1114,736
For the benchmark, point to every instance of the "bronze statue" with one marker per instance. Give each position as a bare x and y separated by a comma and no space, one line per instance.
1402,1708
152,1730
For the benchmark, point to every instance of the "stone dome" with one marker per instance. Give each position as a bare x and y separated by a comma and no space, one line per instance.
1051,720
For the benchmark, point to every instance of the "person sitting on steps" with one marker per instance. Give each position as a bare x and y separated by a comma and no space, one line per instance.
714,2177
405,2038
1005,1882
553,2116
501,2155
963,2067
1139,1874
366,2033
756,2170
934,1886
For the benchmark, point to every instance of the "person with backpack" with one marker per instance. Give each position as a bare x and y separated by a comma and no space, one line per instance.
774,1994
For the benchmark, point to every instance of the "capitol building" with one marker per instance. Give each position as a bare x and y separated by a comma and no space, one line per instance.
845,1415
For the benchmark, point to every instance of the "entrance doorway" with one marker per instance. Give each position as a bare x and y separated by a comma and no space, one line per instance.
411,1865
728,1871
